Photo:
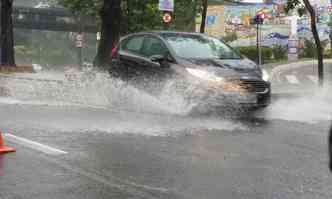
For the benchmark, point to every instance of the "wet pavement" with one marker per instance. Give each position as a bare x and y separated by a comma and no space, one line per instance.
278,153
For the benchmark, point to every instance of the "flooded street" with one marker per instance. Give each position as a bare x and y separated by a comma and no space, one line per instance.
167,99
139,148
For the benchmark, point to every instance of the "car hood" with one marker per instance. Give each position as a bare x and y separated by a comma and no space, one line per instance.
227,68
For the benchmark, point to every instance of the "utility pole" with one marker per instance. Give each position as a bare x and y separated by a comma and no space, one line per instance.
258,45
79,42
258,20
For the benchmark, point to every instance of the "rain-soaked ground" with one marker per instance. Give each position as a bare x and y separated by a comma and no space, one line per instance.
121,143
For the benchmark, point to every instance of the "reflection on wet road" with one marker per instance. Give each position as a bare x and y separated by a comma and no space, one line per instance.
118,154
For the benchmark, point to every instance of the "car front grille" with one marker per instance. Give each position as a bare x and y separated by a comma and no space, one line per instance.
256,86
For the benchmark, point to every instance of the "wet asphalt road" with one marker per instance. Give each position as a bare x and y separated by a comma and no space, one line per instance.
131,155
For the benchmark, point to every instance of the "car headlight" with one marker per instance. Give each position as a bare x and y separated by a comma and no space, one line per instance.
265,75
204,75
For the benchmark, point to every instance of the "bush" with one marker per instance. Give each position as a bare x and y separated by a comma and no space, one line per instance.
279,52
327,53
230,37
309,50
251,53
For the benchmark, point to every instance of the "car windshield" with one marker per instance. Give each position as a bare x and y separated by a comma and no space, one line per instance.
200,47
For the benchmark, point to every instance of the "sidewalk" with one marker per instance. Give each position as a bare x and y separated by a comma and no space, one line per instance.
300,78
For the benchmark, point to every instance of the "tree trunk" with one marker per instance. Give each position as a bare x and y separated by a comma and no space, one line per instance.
192,24
204,13
317,41
6,38
110,15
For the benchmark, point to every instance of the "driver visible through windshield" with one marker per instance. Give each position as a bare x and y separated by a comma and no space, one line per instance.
199,47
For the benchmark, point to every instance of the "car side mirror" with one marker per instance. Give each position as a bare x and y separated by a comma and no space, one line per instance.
157,58
162,60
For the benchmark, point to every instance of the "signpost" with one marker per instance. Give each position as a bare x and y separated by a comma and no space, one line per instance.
166,5
293,42
258,20
79,40
79,45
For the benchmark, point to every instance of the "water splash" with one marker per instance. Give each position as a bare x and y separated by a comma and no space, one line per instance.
97,89
100,103
310,107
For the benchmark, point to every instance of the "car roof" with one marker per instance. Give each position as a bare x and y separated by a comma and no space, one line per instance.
161,33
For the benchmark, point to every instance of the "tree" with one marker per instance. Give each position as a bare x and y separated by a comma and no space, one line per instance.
110,15
204,13
302,7
330,32
144,15
122,17
6,34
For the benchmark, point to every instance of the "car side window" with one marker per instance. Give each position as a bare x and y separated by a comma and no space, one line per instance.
133,44
153,46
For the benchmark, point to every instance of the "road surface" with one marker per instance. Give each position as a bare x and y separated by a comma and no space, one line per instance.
81,148
76,152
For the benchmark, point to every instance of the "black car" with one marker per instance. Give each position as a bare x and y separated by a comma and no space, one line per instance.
149,60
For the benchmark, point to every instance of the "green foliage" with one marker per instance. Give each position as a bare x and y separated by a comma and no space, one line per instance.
329,23
251,53
83,7
230,37
138,15
279,52
327,53
297,5
310,50
51,48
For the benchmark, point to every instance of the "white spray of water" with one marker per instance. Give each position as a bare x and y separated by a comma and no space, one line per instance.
114,106
311,107
101,91
92,120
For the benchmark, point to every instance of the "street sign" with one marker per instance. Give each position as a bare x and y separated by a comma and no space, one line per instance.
98,36
79,44
293,44
79,37
167,18
166,5
259,18
210,20
329,8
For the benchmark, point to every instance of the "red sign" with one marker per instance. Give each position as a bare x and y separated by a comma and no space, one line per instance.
167,18
329,9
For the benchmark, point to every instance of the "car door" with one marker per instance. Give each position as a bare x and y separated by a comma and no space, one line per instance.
130,57
153,73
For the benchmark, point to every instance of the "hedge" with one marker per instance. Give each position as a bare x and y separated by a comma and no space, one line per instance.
251,53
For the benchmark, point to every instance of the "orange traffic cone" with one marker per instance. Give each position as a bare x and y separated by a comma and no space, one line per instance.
3,148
